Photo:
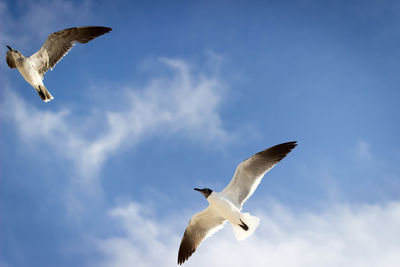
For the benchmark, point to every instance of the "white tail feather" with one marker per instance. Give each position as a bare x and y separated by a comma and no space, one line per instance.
251,221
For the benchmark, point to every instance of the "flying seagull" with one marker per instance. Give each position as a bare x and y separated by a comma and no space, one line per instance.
53,50
227,204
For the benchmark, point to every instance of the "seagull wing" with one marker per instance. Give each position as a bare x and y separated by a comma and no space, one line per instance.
250,172
201,226
59,43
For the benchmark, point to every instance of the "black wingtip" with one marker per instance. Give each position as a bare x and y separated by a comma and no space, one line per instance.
288,146
182,257
278,151
291,144
186,249
101,29
98,30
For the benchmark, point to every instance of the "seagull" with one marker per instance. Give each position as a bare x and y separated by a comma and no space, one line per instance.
227,204
53,50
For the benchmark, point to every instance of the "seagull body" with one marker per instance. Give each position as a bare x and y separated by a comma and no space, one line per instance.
227,205
53,50
224,207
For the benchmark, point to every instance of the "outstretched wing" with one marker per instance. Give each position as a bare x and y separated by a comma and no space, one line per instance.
59,43
249,173
201,226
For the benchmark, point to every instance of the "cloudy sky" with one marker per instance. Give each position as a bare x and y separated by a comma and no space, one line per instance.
176,96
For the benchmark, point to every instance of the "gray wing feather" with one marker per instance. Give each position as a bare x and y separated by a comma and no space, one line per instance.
59,43
201,226
249,173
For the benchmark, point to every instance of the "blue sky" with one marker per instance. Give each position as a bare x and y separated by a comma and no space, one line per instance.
174,98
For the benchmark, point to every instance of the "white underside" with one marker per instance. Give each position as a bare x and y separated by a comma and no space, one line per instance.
231,213
29,72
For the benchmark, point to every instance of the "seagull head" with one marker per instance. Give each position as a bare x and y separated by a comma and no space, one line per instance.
205,191
12,51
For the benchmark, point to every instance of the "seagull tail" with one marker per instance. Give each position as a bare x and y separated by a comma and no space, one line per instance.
43,93
249,222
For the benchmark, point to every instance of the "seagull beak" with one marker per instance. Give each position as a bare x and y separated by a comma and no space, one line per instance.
197,189
9,48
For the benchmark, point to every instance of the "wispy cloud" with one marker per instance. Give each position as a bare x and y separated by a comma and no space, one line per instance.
363,151
181,103
363,235
39,19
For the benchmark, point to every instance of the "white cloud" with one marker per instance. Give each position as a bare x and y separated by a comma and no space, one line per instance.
364,235
182,103
37,19
363,151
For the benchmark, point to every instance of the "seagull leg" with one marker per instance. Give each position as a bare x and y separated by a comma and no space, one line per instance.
243,225
41,93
